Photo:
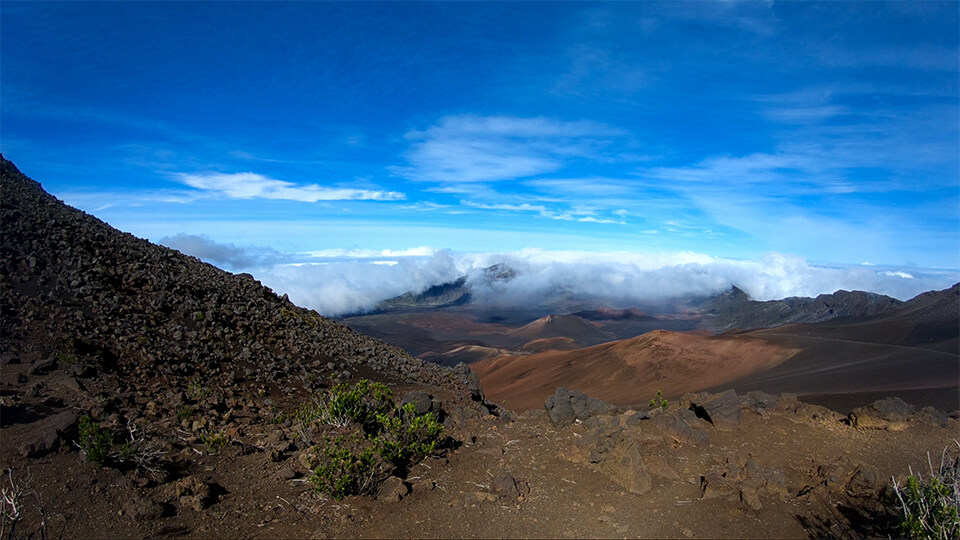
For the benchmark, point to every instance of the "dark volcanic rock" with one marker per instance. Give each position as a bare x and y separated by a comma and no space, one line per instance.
81,296
505,486
393,490
47,434
722,410
624,465
566,406
167,353
889,413
683,427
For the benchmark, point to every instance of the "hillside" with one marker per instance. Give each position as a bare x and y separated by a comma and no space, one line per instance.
735,310
201,384
628,372
562,326
910,350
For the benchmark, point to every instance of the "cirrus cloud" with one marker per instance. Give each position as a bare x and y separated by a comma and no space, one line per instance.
248,185
468,148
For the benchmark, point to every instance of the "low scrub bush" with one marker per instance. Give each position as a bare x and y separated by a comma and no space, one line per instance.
383,439
928,507
407,437
215,442
342,467
197,391
104,447
94,441
659,401
360,403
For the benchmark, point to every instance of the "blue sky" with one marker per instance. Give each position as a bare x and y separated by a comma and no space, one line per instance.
827,131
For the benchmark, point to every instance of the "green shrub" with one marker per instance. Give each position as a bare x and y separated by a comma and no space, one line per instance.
407,437
94,441
384,438
103,446
659,401
197,391
928,508
360,403
184,412
215,442
65,359
339,470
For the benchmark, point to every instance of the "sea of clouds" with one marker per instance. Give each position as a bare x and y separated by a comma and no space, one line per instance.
339,282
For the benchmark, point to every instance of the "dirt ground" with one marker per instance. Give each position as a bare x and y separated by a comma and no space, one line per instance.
559,492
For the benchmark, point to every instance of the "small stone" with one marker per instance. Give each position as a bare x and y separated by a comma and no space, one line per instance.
478,497
505,486
394,489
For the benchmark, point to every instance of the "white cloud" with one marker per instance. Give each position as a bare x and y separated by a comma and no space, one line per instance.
228,256
248,185
467,148
570,215
336,282
591,219
419,251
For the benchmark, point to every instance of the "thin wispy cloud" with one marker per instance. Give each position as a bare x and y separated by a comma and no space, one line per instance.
465,149
566,214
249,185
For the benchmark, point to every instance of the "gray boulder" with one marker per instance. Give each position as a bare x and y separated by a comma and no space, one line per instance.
624,465
890,413
722,410
49,433
566,406
678,427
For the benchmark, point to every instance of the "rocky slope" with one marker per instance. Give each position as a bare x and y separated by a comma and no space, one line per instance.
144,339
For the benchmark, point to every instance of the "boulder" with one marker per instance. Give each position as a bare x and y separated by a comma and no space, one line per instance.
624,465
470,380
659,467
677,427
891,414
758,402
566,406
422,402
559,408
48,433
722,410
635,419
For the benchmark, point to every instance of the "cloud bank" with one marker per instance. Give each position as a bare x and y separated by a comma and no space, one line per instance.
338,282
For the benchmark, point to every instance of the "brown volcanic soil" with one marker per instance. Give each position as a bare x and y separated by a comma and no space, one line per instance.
550,344
845,373
628,372
565,495
568,326
910,352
